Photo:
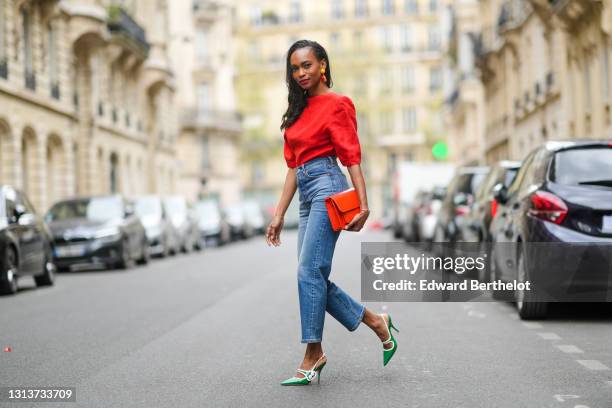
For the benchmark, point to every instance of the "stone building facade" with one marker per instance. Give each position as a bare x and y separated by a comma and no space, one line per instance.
386,55
210,129
86,97
544,71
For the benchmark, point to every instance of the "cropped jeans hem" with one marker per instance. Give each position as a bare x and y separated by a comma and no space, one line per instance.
359,320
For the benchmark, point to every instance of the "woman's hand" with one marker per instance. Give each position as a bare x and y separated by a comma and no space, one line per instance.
274,230
358,221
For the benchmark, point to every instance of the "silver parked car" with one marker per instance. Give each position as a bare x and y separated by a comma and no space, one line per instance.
179,215
211,224
162,236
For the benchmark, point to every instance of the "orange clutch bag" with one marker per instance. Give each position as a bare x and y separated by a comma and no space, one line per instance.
342,208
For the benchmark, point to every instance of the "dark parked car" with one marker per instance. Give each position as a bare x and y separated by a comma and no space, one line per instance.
562,195
483,209
25,242
456,205
211,224
101,230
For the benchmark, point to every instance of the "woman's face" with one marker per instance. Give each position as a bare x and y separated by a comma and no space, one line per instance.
305,68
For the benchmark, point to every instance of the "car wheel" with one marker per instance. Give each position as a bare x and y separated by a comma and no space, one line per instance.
528,304
144,254
47,278
10,269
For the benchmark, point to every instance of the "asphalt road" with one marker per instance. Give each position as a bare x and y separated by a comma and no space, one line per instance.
221,328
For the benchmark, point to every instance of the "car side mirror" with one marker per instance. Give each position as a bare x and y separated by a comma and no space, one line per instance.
500,193
19,211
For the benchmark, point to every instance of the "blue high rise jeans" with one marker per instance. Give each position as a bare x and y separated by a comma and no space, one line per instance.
317,179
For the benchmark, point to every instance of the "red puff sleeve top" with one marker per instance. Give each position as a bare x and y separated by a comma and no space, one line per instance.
326,127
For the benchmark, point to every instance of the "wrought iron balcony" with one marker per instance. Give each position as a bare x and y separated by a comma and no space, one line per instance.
212,119
123,25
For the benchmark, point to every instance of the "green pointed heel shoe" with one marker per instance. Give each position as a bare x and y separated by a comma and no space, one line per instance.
309,375
388,353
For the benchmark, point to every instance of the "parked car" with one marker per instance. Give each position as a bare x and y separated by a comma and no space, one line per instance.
211,223
563,195
456,204
410,228
25,242
254,216
239,227
427,217
181,218
483,209
99,230
162,236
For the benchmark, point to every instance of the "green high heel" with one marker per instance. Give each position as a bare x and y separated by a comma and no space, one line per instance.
388,353
309,375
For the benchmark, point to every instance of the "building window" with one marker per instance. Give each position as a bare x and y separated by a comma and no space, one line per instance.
409,120
254,50
30,79
407,79
587,85
295,11
411,7
385,39
205,160
386,80
114,173
387,7
406,38
256,16
201,46
434,38
361,85
386,122
53,65
257,172
358,38
435,79
361,8
433,6
606,73
363,125
203,98
337,10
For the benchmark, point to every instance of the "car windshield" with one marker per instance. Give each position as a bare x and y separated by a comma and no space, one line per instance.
591,166
148,208
95,209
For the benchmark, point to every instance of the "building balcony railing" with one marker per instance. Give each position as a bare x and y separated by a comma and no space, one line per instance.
122,24
212,119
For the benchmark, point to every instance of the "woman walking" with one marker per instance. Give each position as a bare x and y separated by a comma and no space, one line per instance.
320,126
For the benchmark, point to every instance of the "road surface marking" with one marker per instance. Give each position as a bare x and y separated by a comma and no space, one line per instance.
532,325
475,313
549,336
568,348
562,398
593,365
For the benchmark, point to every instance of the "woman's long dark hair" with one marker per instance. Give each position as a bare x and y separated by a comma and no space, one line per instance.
297,96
